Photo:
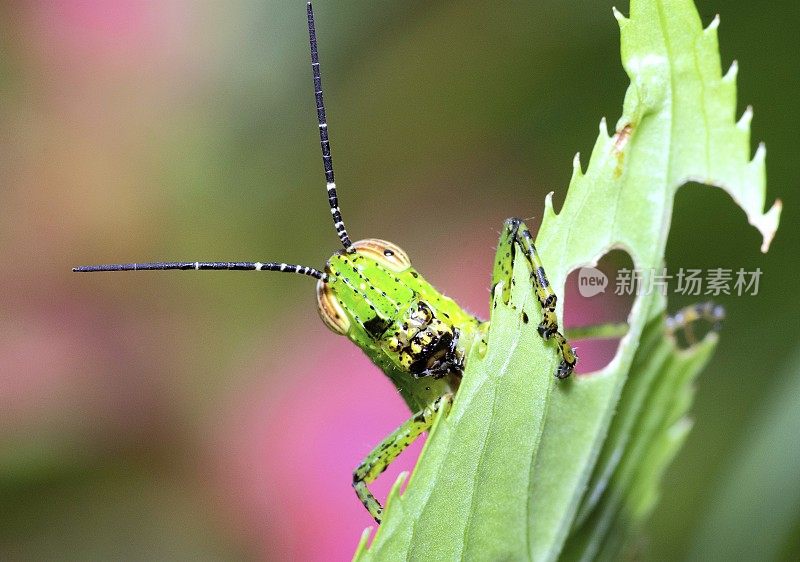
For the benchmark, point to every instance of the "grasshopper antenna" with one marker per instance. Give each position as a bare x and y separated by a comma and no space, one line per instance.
214,265
327,161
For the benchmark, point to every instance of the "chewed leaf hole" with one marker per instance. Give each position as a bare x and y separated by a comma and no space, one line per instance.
598,302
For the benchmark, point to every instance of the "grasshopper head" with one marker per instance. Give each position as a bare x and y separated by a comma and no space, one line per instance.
365,290
374,297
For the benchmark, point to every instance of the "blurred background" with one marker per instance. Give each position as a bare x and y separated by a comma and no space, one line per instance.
213,416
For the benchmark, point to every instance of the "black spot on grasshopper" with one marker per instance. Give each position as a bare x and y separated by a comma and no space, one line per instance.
377,326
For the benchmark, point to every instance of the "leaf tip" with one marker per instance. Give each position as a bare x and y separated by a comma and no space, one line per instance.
603,128
760,155
363,543
730,76
397,487
576,166
497,295
744,121
767,224
619,17
713,26
548,206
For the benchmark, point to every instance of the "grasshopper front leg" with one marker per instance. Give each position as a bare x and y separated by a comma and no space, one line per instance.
517,238
382,456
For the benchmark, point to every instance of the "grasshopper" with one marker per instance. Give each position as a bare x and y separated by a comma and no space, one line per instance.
369,292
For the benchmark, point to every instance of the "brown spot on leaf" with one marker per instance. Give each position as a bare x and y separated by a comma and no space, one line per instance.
621,139
622,136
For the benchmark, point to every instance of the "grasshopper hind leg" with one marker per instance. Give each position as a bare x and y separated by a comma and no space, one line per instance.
517,238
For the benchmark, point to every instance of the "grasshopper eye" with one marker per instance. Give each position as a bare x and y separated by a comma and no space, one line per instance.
385,253
330,309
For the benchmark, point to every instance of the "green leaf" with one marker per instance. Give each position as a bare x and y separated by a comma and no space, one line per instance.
529,467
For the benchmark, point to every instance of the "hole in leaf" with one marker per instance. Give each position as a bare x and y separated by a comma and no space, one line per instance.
713,258
599,296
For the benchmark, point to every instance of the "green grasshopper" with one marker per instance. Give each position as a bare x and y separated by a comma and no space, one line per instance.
369,292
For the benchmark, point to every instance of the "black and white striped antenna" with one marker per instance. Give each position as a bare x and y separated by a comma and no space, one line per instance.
266,266
325,144
214,265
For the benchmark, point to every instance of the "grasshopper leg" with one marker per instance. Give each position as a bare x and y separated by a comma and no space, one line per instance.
687,318
516,237
382,456
683,321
